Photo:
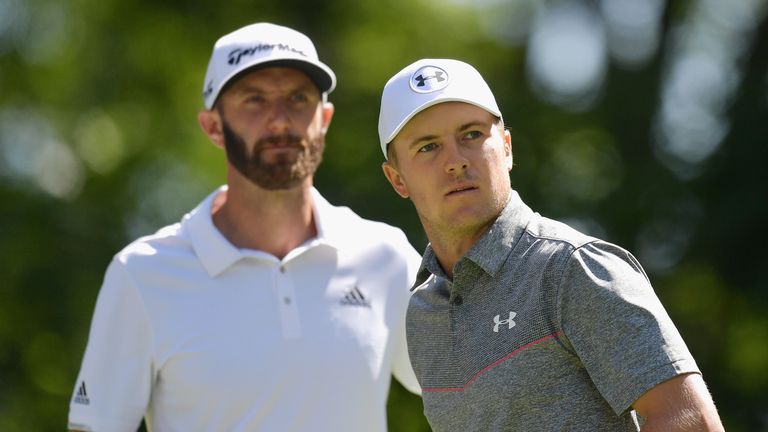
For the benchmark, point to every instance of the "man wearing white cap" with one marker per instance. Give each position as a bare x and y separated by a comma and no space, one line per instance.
518,322
266,308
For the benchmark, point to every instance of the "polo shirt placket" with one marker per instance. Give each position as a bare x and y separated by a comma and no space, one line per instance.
287,302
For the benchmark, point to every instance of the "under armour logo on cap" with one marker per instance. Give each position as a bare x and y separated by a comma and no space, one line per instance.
429,79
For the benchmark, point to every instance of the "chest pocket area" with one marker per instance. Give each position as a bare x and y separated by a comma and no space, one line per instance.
356,322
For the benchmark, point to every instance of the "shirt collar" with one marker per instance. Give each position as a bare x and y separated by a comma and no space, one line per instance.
331,228
217,254
491,250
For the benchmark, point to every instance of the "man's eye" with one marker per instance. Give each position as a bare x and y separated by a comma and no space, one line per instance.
473,135
427,147
299,97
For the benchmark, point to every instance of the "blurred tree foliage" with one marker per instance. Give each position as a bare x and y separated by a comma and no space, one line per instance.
99,144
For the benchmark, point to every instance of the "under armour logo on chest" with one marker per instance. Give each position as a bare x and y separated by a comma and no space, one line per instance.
498,321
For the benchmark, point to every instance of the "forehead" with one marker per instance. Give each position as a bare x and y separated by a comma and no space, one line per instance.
444,117
273,79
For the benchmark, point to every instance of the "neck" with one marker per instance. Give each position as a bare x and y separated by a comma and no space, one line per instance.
275,222
450,246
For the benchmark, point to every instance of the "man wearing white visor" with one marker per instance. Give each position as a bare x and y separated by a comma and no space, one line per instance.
518,322
265,308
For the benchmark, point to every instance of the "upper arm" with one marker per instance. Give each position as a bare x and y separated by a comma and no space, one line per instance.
116,371
401,364
614,322
682,403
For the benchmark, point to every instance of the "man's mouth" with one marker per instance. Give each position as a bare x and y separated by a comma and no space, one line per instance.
281,147
280,142
461,189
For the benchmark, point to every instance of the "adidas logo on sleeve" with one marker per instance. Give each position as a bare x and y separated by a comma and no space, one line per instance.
81,397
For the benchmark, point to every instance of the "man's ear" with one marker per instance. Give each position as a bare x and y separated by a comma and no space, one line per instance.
210,122
508,149
395,179
328,110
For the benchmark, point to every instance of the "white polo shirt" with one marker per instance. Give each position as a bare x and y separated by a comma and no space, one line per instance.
199,335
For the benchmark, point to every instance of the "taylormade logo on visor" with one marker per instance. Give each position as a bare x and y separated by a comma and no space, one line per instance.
237,54
208,90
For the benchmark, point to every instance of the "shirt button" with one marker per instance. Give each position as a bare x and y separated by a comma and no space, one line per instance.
458,300
287,300
282,269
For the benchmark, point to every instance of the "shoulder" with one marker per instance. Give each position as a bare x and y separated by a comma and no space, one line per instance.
574,241
345,225
378,247
124,284
168,241
376,229
369,234
551,230
574,252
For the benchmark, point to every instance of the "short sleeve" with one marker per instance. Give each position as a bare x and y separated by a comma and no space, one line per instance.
401,364
113,387
617,326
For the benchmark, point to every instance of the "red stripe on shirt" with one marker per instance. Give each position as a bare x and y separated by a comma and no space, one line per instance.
489,367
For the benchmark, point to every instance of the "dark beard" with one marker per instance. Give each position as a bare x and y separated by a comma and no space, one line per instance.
286,172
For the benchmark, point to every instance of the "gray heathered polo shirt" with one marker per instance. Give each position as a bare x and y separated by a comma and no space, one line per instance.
542,329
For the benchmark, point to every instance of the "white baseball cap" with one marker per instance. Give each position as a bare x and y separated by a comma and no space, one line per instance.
259,45
425,83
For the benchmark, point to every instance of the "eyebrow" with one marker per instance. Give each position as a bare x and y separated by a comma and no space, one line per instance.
421,139
255,88
471,124
462,128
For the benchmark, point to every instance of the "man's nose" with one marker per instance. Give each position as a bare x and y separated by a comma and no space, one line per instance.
279,118
455,160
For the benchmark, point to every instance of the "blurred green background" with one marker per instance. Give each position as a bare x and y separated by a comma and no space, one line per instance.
642,122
